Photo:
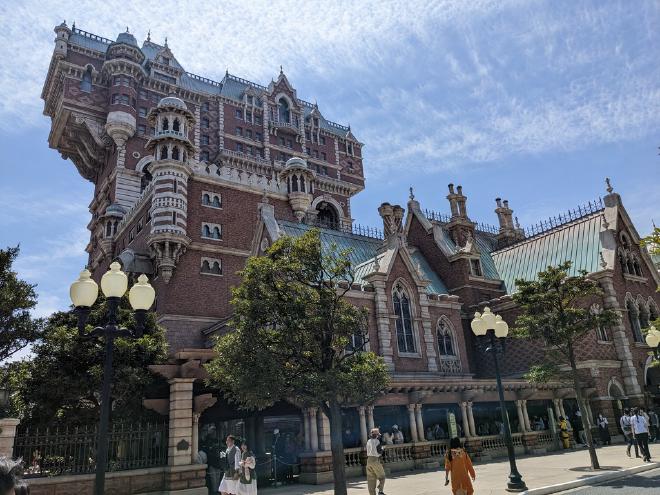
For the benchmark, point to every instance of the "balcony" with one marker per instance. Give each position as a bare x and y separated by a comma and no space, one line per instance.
171,133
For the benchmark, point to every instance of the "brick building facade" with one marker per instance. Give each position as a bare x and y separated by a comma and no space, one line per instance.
193,176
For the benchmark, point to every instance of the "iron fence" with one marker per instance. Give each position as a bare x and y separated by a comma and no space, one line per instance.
72,450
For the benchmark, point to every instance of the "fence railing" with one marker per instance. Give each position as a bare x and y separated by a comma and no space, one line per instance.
439,448
72,450
397,453
352,456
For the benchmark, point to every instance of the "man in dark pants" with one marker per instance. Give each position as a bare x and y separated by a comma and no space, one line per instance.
640,428
626,427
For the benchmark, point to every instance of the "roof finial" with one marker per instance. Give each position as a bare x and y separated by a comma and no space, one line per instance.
127,29
73,27
609,185
149,35
412,194
517,223
165,41
281,70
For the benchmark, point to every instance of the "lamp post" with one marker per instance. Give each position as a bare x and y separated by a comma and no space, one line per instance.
652,340
494,326
84,292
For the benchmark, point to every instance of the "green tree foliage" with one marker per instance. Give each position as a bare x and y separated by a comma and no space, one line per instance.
555,312
652,243
60,383
297,338
17,297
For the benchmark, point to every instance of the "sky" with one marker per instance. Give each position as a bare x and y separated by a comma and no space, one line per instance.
533,101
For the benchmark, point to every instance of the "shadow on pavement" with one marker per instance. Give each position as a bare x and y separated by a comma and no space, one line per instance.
598,471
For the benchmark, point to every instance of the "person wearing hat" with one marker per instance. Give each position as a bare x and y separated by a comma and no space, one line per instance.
397,435
375,470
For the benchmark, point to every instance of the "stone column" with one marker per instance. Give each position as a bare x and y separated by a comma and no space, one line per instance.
473,430
7,434
413,423
313,430
195,438
324,431
521,417
466,424
363,425
306,426
561,408
181,421
420,422
528,426
555,403
370,417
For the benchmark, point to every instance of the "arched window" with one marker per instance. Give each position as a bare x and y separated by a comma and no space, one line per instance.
633,318
283,110
327,215
631,264
622,260
302,183
294,183
643,314
404,324
206,231
175,153
175,125
206,199
653,310
86,83
637,266
205,123
216,233
216,201
625,241
166,124
216,268
445,338
601,333
145,180
205,266
163,153
108,229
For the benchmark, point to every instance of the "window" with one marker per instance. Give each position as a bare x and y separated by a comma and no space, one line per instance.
281,141
324,170
86,83
307,135
211,199
633,318
211,266
142,129
116,81
175,156
145,180
248,133
324,157
601,333
445,338
163,152
205,123
166,124
356,342
316,153
175,184
211,231
239,147
204,139
250,99
248,116
257,119
152,131
174,218
239,131
404,325
205,106
143,95
257,136
176,125
308,150
155,98
164,77
142,111
239,114
204,156
139,225
131,235
350,166
349,148
115,99
249,150
475,268
164,60
125,100
283,111
322,139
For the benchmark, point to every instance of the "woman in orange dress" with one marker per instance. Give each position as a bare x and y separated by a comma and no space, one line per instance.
458,462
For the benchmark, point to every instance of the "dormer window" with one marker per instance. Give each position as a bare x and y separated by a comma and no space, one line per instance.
284,113
475,268
86,83
165,60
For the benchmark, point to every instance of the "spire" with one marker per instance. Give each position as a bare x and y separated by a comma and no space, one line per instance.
149,35
73,27
610,189
281,70
166,42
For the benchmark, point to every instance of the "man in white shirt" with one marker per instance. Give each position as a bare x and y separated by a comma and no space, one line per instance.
626,427
375,470
640,428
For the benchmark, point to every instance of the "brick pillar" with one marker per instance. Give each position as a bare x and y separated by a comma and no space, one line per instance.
7,435
363,425
181,421
313,430
413,423
420,422
473,430
324,431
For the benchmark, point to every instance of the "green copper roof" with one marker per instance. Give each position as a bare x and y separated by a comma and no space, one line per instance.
362,252
578,241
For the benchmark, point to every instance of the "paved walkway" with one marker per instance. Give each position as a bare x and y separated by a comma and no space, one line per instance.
537,471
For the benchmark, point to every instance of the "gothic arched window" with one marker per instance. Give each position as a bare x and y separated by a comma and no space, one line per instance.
206,231
205,266
445,338
175,125
283,110
163,153
216,233
633,318
294,183
404,324
175,153
216,268
86,83
108,229
601,333
166,124
206,199
145,179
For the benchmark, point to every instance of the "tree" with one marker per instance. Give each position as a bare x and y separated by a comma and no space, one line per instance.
60,383
554,310
297,338
17,327
652,243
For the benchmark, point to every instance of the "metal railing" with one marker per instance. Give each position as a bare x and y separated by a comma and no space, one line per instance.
444,218
570,216
346,227
72,450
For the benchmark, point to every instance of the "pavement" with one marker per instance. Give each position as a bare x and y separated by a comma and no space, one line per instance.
630,485
537,472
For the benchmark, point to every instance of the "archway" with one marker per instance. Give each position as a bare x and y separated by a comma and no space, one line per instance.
327,215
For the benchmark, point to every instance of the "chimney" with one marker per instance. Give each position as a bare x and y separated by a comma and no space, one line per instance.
509,233
460,226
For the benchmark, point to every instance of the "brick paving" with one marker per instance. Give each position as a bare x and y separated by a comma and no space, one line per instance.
537,471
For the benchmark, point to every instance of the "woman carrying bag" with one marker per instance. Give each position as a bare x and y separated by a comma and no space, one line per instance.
458,463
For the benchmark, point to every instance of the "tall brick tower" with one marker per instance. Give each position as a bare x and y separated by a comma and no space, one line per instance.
190,174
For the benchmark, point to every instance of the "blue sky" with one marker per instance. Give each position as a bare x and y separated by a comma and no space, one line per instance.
533,101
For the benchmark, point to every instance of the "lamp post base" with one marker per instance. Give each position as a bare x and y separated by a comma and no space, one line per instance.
515,484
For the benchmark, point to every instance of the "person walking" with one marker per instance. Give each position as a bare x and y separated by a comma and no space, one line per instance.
247,484
626,427
603,430
654,426
640,429
458,463
375,470
228,485
563,432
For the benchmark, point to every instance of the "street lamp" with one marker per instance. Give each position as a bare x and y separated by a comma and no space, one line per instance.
83,293
652,340
494,326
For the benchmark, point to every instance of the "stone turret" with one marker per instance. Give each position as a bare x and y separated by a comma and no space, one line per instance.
460,227
171,149
299,186
509,233
62,41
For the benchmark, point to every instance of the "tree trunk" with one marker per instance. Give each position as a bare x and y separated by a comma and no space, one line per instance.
583,410
337,448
